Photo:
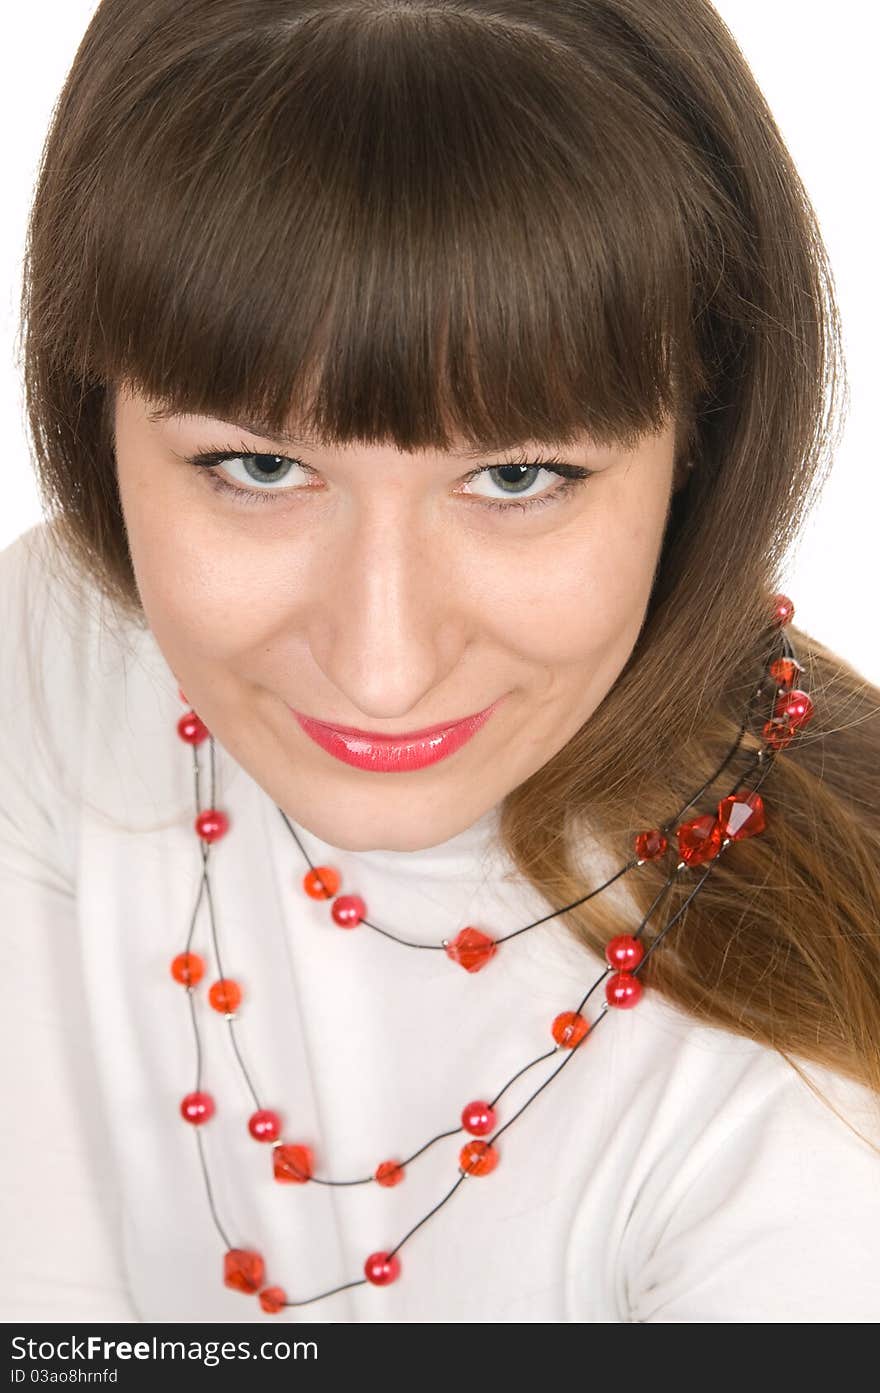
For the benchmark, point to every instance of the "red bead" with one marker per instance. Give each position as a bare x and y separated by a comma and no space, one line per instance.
380,1269
472,949
272,1300
321,882
741,815
477,1158
347,911
225,996
478,1118
699,840
624,952
191,729
389,1173
783,610
785,671
650,844
795,707
188,969
264,1125
211,825
778,734
622,989
197,1107
569,1028
292,1165
243,1271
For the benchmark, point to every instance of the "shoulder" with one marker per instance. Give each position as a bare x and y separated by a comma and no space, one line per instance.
63,655
47,615
758,1200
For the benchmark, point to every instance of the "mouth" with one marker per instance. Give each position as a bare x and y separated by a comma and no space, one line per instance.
366,749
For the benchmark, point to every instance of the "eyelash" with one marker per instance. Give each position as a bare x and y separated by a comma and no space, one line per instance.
572,476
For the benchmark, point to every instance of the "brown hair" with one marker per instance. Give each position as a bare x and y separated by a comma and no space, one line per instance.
407,220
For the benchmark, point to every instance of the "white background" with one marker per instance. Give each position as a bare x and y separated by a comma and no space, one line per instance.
817,67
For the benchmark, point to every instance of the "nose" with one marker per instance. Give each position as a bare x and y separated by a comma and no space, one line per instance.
385,627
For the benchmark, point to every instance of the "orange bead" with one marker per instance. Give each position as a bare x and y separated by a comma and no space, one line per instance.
477,1158
242,1270
292,1164
321,882
188,969
389,1173
225,996
472,949
785,672
778,734
272,1299
569,1029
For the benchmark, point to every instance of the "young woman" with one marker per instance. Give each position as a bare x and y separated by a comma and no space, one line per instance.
439,877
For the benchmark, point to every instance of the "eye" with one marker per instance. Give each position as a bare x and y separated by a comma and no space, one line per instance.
517,478
514,479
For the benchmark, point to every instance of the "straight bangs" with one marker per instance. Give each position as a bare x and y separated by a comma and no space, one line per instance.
427,228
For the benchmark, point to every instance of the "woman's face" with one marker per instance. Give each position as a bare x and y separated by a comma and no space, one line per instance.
382,591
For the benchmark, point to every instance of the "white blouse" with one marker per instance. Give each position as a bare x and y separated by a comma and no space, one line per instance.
671,1172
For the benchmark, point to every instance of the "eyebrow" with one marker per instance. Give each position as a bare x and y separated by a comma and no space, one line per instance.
263,429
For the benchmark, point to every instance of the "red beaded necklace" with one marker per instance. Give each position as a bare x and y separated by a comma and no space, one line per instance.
699,842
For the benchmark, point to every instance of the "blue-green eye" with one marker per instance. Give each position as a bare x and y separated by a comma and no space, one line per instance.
514,478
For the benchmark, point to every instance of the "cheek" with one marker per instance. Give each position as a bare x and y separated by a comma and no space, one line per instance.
198,600
588,598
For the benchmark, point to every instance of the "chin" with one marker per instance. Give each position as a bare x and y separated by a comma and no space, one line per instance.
344,834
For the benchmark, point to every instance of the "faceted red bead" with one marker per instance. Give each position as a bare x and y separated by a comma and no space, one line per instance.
471,949
477,1158
785,671
380,1269
191,729
293,1164
347,911
389,1173
782,609
624,952
211,825
242,1270
741,815
795,707
197,1107
321,882
778,734
622,989
569,1028
478,1118
225,996
188,969
264,1125
699,840
272,1300
650,844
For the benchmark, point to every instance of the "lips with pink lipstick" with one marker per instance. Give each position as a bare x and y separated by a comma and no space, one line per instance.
366,749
